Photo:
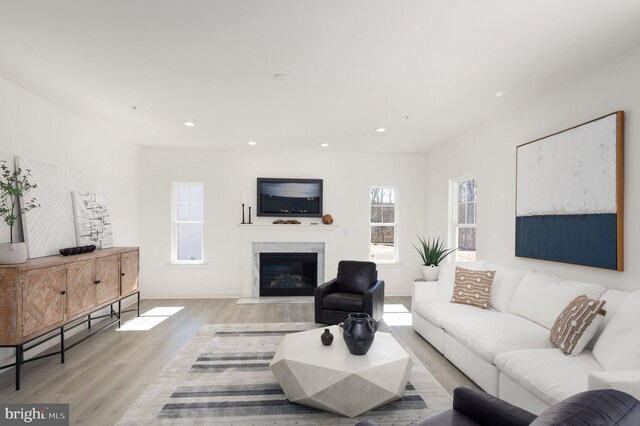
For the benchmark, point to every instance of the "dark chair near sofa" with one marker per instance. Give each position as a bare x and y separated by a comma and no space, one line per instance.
473,407
355,289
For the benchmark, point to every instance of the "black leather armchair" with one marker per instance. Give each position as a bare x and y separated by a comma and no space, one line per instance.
355,289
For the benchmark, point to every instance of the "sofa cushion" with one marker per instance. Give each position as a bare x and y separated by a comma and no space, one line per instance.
356,277
435,310
577,324
504,285
541,297
548,373
489,333
615,299
473,287
349,302
618,347
447,275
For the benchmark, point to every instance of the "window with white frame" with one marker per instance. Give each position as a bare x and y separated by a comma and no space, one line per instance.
463,197
383,244
187,211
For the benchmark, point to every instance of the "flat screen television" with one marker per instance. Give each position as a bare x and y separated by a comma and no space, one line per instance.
289,197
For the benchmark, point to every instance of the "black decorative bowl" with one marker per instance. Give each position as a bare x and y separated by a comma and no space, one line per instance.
77,250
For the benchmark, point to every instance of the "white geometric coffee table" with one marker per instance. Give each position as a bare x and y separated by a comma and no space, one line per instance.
331,378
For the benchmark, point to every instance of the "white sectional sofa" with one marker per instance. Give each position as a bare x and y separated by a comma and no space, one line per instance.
506,349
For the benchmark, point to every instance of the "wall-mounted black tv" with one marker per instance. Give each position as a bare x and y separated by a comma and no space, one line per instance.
289,197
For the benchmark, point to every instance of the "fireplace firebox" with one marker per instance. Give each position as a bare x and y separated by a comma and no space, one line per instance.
288,274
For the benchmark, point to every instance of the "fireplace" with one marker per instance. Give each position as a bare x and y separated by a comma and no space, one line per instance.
288,274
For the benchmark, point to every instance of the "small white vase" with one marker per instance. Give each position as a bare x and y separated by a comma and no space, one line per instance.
13,253
430,273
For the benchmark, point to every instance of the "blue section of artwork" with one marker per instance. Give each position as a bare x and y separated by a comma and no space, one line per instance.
588,239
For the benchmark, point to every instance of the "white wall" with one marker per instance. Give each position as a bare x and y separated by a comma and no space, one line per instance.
227,173
490,153
34,127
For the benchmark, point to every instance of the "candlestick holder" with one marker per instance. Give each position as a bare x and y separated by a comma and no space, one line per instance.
250,215
243,222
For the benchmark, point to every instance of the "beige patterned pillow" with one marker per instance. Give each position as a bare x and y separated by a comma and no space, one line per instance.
473,287
577,324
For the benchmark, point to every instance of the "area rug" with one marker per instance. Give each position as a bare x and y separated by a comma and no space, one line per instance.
222,377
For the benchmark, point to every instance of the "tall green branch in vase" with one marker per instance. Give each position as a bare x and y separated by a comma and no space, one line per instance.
14,185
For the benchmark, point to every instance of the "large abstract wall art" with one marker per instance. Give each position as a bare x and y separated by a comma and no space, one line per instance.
93,221
569,195
51,226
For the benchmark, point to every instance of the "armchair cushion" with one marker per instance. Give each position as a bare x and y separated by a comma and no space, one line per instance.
356,277
344,302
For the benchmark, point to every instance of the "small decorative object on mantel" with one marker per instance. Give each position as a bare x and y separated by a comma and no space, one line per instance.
243,222
13,187
77,250
432,252
326,337
359,330
249,223
327,219
286,222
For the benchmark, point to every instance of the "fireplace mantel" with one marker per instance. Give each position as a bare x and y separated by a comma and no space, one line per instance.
270,233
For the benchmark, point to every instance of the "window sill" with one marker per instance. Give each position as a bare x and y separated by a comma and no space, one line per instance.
388,263
202,263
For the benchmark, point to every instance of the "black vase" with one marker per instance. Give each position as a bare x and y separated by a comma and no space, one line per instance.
359,329
326,337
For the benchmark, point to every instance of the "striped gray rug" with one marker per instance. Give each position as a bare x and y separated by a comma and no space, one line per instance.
222,377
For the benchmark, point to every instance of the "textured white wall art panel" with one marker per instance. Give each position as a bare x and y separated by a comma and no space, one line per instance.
93,221
573,172
50,227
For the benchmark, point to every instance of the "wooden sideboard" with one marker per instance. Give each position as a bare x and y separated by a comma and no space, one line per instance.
46,294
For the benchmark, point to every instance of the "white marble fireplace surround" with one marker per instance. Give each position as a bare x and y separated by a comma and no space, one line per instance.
319,239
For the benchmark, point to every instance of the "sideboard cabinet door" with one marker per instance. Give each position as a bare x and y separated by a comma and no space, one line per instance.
108,273
129,264
81,287
43,298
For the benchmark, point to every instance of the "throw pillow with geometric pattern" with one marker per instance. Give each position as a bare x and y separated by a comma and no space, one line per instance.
577,324
473,287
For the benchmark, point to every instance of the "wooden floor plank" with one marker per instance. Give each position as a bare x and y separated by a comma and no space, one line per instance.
103,376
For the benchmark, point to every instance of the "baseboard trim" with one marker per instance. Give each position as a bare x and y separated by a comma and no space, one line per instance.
147,295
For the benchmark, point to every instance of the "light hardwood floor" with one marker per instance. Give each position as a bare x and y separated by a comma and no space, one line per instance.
104,375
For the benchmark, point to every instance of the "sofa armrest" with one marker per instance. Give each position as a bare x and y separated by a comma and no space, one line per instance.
486,409
624,380
424,290
374,300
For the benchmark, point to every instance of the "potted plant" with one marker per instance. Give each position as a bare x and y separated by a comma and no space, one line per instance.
13,187
432,252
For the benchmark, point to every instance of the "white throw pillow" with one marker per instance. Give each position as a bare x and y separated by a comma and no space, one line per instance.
615,299
504,286
541,297
447,277
618,347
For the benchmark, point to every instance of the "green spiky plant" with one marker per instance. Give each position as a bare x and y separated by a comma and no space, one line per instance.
432,251
13,186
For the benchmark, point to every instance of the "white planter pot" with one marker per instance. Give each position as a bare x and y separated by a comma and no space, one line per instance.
430,273
12,253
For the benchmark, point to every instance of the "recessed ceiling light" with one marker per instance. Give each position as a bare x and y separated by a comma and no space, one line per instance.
381,130
253,143
281,77
189,123
499,94
324,145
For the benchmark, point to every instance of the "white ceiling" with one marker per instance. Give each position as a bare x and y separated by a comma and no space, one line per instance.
354,65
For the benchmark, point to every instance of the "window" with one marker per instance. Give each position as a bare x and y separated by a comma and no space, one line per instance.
187,212
383,245
463,196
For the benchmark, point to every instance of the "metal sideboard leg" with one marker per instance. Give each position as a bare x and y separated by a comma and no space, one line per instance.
18,365
138,303
119,313
61,345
